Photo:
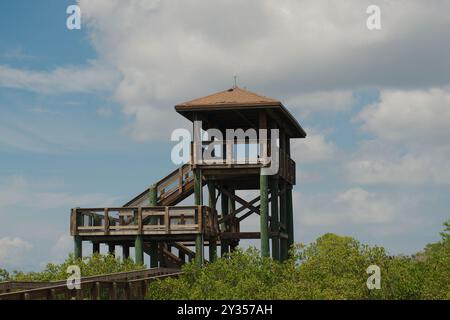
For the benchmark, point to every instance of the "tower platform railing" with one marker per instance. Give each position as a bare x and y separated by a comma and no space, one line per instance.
250,153
157,220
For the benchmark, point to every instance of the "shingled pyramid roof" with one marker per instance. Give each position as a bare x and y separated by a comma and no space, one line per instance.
240,101
232,96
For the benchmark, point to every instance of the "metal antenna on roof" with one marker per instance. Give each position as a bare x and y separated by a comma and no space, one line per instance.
235,81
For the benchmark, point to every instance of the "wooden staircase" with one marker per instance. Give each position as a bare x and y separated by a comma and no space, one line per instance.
171,190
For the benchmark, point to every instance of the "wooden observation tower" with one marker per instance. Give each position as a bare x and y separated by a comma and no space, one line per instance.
246,147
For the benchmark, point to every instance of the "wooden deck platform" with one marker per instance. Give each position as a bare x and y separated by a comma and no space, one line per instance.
156,221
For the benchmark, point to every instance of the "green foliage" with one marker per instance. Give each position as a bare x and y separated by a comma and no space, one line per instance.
89,266
4,275
333,267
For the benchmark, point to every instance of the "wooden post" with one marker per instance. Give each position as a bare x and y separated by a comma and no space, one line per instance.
198,187
153,195
78,247
283,205
232,208
154,254
111,249
264,214
290,218
264,194
182,256
290,209
125,251
78,243
139,249
275,226
223,227
212,205
198,201
283,219
95,247
153,201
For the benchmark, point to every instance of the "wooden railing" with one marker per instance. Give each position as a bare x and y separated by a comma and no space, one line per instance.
177,183
123,285
138,220
287,167
252,153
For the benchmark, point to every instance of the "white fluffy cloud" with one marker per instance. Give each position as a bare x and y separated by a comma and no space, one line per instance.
352,207
17,191
410,116
315,148
322,101
93,77
13,251
62,247
310,53
410,144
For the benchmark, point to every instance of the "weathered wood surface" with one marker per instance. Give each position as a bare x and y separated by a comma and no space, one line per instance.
122,285
170,220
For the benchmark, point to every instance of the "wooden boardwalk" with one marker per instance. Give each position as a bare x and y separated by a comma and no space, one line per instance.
113,286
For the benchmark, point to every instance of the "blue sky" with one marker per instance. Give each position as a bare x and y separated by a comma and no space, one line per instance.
86,115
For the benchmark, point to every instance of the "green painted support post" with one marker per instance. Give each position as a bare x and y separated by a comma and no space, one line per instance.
153,201
198,187
78,243
95,247
275,218
78,247
231,208
154,254
125,251
212,205
290,218
264,213
283,219
224,208
199,250
139,250
198,201
153,195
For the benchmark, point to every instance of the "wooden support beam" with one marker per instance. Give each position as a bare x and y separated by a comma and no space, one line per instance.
139,250
283,219
95,247
111,249
274,217
153,201
125,251
290,218
199,246
245,204
242,208
264,216
212,205
78,243
224,248
264,194
78,247
250,235
290,208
